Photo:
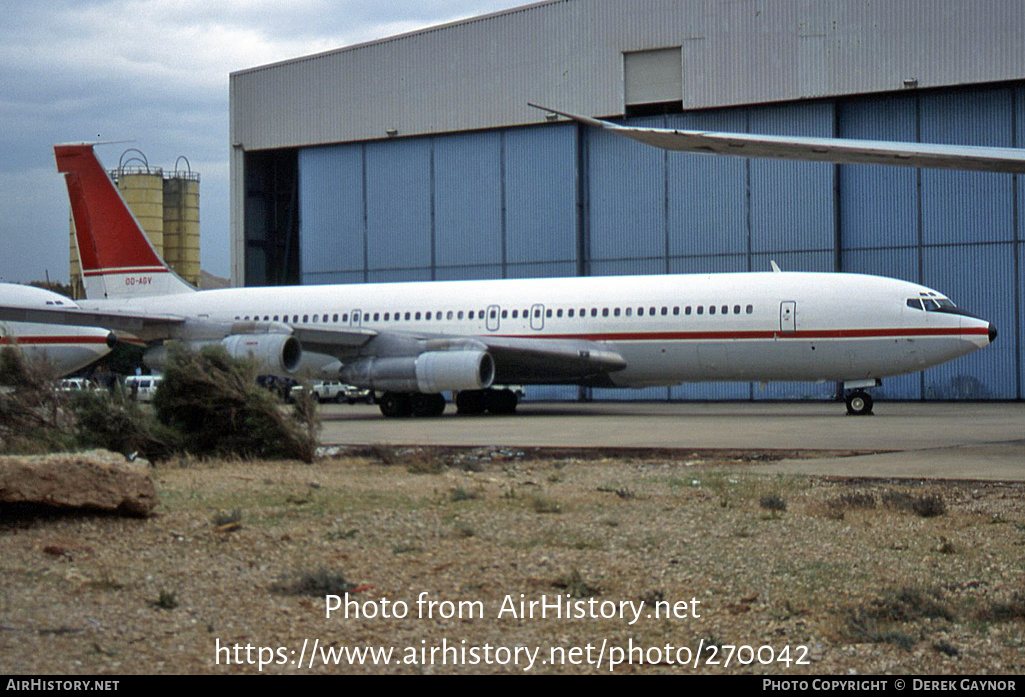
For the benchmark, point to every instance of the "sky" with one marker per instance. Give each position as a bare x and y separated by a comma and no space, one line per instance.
155,73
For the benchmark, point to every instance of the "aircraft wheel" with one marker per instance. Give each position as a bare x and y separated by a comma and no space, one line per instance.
396,404
471,402
501,401
859,403
428,404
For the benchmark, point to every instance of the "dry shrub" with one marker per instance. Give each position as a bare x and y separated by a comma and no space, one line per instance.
213,401
34,417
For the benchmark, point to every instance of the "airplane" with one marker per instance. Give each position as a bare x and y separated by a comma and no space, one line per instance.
66,349
415,341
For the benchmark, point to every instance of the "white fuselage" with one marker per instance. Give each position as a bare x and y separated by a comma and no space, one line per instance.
669,329
66,348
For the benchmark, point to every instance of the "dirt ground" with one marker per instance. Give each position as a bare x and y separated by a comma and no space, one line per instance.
494,561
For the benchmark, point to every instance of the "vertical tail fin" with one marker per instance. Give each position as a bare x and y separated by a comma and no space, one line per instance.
117,258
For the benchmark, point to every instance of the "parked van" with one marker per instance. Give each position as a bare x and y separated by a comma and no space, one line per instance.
142,387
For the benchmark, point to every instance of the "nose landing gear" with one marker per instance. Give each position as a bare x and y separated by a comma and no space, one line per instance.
859,403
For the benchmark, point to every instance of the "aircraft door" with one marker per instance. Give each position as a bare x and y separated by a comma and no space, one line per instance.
788,316
537,317
493,318
357,318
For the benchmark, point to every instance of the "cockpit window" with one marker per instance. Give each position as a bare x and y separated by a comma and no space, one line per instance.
915,303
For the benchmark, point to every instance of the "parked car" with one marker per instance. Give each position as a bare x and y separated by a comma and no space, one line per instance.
335,391
142,387
77,385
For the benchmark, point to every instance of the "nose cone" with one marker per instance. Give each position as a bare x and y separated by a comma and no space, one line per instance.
992,333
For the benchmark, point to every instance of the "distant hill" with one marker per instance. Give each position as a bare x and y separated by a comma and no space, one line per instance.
207,281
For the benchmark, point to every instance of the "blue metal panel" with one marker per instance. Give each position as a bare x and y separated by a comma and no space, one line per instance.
398,275
331,210
628,267
541,194
792,203
660,394
1020,347
892,263
551,393
878,205
329,277
468,273
710,391
717,264
793,261
468,199
980,279
967,206
708,207
557,269
1019,141
398,204
627,213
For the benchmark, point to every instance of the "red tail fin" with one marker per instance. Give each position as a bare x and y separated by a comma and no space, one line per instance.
117,257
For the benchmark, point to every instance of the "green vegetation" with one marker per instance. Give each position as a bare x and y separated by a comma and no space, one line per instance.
208,405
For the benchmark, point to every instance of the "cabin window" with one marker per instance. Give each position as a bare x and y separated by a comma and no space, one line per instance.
665,311
736,309
460,315
505,314
345,318
616,312
548,313
701,309
605,312
570,312
686,310
750,309
516,314
306,318
676,312
594,312
559,313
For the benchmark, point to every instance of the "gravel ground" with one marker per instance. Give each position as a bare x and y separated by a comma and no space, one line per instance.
808,575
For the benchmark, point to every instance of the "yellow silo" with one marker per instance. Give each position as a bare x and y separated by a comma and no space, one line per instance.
143,190
181,222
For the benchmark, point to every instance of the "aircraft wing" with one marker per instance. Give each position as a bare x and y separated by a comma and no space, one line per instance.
838,150
529,360
146,327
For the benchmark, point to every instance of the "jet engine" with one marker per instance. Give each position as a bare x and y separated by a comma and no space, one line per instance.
277,354
429,373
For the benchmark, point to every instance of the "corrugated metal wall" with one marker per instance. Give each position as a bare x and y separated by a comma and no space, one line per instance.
569,54
558,200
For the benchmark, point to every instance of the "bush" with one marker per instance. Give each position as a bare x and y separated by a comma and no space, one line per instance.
116,423
33,413
213,401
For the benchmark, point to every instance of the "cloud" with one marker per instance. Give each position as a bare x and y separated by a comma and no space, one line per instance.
155,72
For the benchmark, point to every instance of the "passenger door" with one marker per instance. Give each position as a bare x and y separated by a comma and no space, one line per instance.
788,316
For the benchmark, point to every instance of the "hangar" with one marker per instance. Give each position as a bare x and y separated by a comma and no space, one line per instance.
416,157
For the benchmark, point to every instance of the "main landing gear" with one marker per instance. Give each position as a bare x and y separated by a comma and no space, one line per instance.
859,402
397,404
402,404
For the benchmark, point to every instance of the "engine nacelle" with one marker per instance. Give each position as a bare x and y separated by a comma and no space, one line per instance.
277,354
430,372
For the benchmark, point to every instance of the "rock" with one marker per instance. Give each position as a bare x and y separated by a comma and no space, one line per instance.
98,480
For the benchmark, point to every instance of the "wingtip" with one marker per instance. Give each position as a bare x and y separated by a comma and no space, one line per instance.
587,120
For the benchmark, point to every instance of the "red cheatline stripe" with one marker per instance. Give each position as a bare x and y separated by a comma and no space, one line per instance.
141,269
29,340
808,334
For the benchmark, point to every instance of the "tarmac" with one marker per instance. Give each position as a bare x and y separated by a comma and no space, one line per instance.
917,440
